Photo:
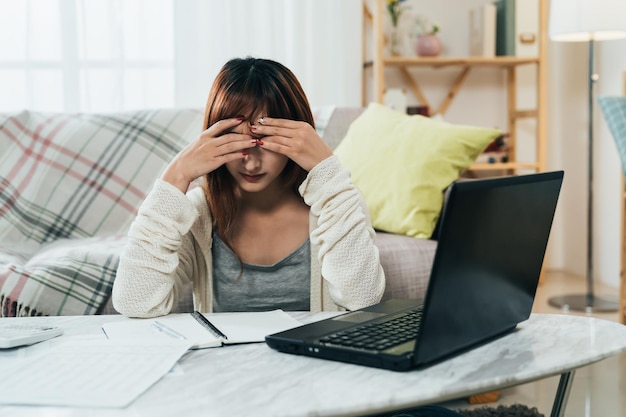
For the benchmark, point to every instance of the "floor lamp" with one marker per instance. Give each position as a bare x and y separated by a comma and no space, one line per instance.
590,21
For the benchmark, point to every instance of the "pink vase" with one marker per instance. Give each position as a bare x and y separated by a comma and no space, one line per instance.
428,45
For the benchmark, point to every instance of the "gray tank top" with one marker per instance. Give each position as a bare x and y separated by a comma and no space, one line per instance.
285,285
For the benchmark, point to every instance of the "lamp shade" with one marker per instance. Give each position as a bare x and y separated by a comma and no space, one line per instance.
584,20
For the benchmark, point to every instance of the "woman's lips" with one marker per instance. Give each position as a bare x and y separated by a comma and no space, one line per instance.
252,178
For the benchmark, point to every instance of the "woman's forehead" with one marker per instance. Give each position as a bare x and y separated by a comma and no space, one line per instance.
254,113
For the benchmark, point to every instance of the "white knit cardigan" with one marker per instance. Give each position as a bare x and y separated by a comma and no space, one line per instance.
169,244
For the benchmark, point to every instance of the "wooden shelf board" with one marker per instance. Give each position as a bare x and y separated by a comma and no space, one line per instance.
504,165
499,61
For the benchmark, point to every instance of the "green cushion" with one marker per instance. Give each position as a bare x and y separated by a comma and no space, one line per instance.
402,165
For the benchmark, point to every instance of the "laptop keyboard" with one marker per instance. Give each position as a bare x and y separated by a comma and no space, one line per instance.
379,336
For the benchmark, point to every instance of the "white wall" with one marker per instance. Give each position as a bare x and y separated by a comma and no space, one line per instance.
611,66
568,150
320,41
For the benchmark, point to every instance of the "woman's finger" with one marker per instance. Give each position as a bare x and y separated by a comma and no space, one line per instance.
221,127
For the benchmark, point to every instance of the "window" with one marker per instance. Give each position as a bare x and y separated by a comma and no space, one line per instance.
93,56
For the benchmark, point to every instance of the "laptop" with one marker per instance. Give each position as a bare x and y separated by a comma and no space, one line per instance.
492,238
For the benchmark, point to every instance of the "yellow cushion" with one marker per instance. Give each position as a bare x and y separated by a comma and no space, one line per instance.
402,165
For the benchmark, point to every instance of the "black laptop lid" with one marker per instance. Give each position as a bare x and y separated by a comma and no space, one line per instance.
492,242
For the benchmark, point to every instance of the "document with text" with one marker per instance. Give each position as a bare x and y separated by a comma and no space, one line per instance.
87,372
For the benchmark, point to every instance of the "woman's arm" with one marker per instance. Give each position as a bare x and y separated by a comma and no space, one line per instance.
159,256
350,261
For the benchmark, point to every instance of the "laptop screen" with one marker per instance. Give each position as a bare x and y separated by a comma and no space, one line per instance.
491,245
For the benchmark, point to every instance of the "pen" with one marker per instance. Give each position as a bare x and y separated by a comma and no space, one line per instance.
170,332
208,325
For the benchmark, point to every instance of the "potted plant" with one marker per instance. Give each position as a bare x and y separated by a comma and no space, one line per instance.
428,43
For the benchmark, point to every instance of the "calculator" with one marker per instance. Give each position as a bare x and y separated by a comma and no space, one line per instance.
21,334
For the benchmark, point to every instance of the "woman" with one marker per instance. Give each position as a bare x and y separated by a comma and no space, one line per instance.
277,222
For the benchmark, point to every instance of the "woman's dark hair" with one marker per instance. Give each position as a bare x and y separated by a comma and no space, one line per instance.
249,85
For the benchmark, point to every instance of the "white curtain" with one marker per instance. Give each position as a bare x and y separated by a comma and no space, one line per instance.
110,55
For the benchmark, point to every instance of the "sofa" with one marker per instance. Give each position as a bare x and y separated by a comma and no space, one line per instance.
70,188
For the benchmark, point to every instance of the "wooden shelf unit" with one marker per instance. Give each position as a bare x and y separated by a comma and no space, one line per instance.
509,64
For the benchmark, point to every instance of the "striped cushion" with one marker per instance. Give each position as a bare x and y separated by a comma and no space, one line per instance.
70,185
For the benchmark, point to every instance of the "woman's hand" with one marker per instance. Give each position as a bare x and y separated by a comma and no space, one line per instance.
296,140
212,149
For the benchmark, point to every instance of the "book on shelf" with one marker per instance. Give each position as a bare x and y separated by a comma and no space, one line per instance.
517,27
482,30
496,152
527,28
505,27
203,330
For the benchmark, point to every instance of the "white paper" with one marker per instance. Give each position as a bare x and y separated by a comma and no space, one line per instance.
87,373
244,327
252,327
143,329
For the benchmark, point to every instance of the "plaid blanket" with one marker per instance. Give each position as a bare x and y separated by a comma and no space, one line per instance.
70,185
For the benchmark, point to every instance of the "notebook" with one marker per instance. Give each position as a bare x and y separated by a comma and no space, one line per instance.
492,238
203,330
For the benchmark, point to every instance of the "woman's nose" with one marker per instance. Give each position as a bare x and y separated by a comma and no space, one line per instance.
252,160
249,131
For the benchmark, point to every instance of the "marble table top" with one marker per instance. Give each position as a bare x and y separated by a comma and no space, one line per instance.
253,379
